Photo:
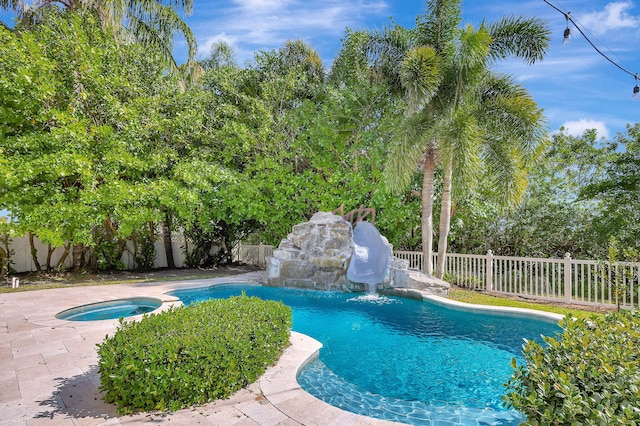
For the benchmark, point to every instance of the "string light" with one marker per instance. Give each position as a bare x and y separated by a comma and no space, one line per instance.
567,38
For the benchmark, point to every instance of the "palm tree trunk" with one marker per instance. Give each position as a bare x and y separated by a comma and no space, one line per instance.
445,218
427,211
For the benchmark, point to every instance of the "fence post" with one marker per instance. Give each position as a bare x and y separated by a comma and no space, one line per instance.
567,277
489,270
261,261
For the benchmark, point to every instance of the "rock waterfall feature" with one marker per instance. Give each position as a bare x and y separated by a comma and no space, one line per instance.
326,253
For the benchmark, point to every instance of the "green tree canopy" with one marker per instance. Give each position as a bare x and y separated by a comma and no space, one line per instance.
154,24
99,143
617,190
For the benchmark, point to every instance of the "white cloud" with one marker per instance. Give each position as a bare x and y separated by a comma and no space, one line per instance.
262,4
615,16
575,64
205,48
266,24
577,128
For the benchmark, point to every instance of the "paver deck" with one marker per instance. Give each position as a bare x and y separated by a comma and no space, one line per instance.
48,368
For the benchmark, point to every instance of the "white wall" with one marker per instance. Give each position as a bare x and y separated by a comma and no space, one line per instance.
22,261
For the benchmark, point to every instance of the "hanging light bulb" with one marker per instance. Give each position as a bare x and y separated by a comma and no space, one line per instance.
566,40
567,37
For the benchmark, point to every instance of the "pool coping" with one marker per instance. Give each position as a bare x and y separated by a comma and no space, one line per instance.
508,310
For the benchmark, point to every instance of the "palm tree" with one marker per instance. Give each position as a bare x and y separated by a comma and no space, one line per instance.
459,112
153,23
221,55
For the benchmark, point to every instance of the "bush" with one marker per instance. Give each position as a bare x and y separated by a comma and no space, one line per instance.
192,355
463,281
589,375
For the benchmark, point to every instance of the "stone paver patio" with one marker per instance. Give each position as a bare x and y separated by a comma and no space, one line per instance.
48,368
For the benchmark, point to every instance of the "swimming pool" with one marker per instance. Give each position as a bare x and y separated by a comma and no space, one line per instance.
401,359
111,309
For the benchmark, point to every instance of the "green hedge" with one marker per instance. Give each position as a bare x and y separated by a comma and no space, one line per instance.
589,375
192,355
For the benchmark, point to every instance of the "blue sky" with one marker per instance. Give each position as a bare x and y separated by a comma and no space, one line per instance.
578,88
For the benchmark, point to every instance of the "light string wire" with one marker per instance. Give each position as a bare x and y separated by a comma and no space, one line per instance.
568,17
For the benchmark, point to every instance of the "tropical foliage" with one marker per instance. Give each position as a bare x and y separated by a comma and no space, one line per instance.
151,23
589,375
102,149
102,154
566,208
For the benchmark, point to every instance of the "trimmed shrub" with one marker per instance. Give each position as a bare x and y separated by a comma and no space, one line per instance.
589,375
192,354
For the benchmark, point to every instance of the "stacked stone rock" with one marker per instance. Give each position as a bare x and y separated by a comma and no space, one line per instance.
317,254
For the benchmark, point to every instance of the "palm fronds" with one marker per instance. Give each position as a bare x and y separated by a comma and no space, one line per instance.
410,142
420,76
524,38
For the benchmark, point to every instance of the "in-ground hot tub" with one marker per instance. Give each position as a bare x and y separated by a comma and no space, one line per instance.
111,309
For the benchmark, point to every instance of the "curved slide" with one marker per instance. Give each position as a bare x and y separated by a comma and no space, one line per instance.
371,256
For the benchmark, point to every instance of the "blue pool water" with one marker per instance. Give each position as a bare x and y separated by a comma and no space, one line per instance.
400,359
110,309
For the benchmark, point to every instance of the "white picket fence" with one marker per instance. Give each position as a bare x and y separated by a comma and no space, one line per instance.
567,280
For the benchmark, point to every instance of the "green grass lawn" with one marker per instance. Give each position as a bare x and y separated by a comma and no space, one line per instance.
478,298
